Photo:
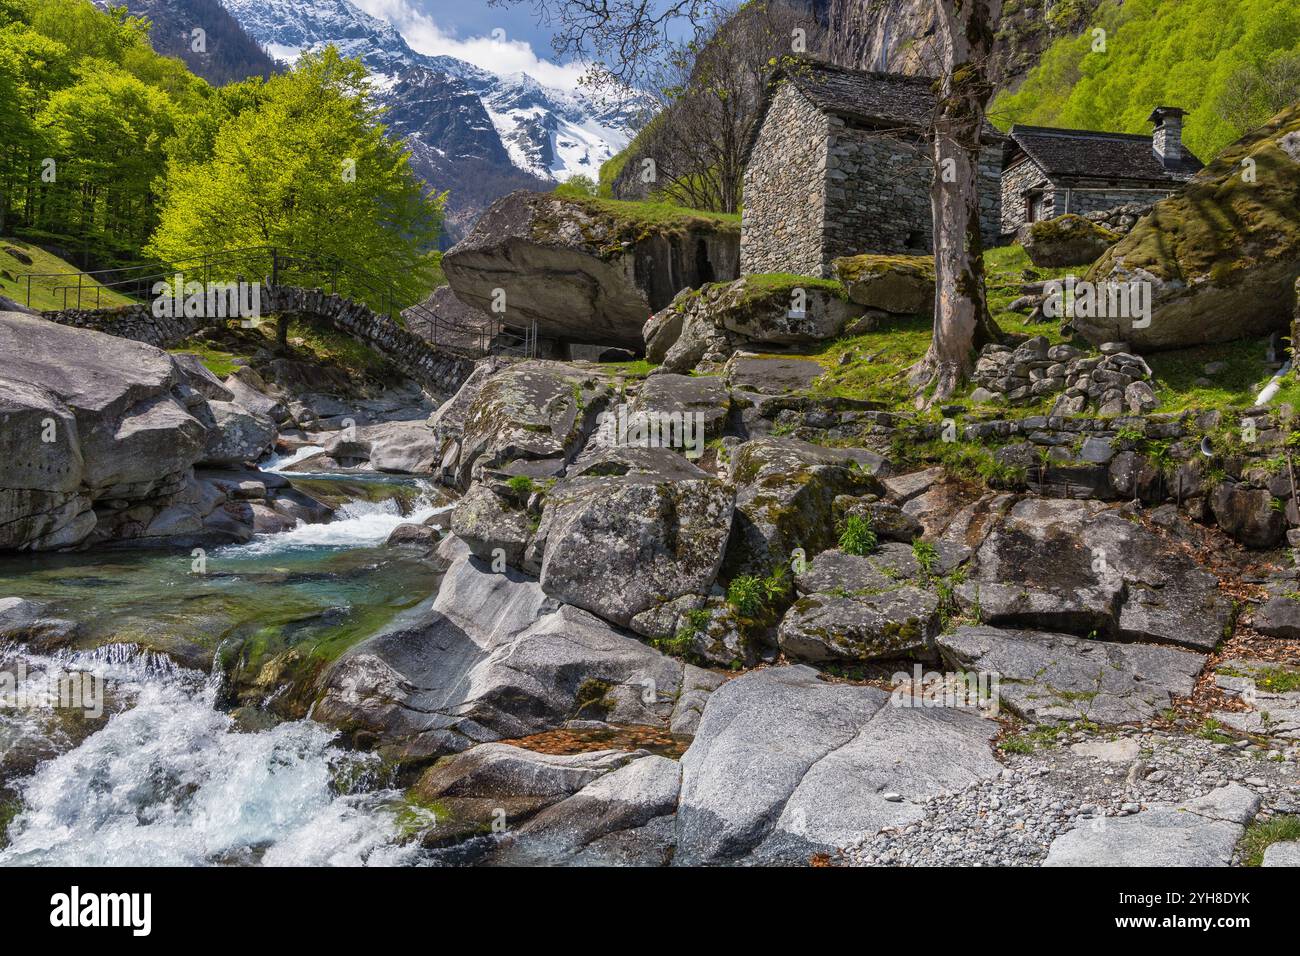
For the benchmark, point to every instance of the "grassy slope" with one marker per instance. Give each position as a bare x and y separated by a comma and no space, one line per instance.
882,356
45,293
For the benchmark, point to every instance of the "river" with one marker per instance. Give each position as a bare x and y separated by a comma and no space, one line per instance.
200,754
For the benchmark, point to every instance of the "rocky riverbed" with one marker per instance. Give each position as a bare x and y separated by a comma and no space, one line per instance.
506,627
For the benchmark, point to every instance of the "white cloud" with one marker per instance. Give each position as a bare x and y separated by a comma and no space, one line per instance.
501,56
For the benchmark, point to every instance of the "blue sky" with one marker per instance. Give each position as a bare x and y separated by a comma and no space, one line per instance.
465,29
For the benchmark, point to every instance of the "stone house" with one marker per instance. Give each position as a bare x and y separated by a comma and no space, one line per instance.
1049,172
839,165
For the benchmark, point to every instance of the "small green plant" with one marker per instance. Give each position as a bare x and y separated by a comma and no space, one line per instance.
1211,731
927,556
521,484
857,536
746,595
1260,835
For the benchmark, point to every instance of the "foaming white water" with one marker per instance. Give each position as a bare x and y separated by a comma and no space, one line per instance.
358,524
279,463
170,782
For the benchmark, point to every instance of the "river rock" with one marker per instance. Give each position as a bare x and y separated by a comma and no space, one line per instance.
610,821
826,626
529,418
785,765
705,396
492,526
1057,677
28,623
1220,255
237,435
631,528
491,657
88,417
1198,833
584,271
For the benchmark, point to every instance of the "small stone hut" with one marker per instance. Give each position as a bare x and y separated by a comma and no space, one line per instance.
839,165
1049,172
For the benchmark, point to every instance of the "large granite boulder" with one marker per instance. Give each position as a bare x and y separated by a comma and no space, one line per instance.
492,657
1068,240
88,418
1202,832
860,608
898,284
785,765
586,270
629,529
1048,677
785,492
1222,255
1081,567
529,418
667,396
237,435
721,318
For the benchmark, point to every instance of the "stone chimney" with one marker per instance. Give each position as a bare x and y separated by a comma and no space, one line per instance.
1167,137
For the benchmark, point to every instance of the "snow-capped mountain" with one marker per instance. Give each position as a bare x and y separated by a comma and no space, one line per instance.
548,133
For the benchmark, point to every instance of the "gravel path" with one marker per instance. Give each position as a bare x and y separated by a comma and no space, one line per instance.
1012,819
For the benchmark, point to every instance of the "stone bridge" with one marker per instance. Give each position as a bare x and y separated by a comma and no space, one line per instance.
437,370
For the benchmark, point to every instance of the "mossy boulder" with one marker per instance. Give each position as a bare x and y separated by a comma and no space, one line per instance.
530,418
785,493
1223,255
900,284
771,310
629,528
1068,240
588,270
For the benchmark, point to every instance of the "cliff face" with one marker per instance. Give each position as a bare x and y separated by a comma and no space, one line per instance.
900,36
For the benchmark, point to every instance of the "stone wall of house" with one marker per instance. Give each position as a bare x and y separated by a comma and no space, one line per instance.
878,193
784,202
1087,199
1015,182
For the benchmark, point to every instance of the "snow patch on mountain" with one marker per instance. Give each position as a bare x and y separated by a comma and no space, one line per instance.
550,133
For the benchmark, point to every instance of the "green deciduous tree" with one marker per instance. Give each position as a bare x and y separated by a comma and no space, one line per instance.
302,162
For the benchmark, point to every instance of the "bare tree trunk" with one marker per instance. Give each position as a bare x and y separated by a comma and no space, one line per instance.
961,315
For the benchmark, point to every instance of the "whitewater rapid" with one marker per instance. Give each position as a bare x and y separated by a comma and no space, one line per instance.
169,778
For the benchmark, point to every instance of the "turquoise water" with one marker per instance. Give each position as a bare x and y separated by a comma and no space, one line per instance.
202,752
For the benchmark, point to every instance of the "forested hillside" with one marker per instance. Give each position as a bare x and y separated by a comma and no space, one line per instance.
113,153
225,54
1230,65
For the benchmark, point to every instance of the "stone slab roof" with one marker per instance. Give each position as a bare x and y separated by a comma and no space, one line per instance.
1075,153
889,101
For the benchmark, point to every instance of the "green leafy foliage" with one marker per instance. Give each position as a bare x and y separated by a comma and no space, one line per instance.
308,167
857,535
1231,66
